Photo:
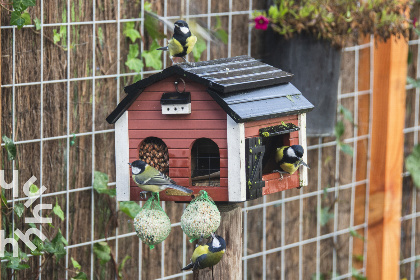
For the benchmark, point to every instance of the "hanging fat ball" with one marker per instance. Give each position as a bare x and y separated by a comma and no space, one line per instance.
201,217
289,158
151,180
209,254
182,42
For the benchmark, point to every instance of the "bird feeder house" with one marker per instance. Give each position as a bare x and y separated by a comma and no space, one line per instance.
214,125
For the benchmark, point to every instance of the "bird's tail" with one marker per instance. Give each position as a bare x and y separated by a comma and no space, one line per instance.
163,48
191,265
180,188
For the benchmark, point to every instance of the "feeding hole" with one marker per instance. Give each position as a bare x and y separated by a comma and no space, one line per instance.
205,163
271,144
154,152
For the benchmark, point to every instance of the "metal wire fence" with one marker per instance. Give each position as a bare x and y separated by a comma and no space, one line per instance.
314,232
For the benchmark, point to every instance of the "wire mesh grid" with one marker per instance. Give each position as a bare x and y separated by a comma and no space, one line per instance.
280,245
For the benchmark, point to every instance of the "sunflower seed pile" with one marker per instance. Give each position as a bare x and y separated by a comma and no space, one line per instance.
154,152
200,217
152,226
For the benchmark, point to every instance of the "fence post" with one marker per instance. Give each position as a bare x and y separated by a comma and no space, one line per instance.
387,140
230,267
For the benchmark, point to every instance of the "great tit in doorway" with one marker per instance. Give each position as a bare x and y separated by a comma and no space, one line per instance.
289,158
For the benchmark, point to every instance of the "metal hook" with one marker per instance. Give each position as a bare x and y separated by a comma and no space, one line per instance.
177,83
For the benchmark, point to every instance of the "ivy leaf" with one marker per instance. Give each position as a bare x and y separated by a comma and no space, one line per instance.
356,274
359,258
222,35
412,163
152,57
76,265
17,19
25,15
100,184
133,62
198,49
19,6
56,36
415,83
33,189
130,208
121,266
80,276
130,32
57,210
356,234
325,215
37,24
151,24
347,149
29,3
10,148
19,208
102,252
15,263
339,129
346,113
56,246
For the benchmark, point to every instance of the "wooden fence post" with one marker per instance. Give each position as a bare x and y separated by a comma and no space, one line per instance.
384,225
230,267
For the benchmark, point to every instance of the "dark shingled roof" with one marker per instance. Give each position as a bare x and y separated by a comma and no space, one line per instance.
244,87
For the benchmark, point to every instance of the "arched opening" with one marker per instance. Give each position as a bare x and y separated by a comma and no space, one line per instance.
154,152
205,163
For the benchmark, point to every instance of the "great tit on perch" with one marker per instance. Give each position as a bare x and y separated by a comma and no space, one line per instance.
207,255
290,158
182,42
151,180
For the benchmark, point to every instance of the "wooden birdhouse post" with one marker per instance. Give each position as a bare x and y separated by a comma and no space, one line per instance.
214,126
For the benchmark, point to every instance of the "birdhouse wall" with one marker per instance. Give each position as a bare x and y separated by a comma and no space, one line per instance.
179,132
272,180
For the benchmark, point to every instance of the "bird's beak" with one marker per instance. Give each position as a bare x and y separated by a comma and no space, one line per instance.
213,235
304,163
129,163
176,25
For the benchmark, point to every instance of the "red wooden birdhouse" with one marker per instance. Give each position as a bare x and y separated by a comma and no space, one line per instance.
215,125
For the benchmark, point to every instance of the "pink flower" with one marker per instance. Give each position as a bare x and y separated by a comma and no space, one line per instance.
261,22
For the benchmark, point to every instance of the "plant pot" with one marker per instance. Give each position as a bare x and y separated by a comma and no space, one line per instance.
316,68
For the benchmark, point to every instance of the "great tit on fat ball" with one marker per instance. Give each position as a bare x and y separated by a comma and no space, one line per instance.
290,158
182,42
207,255
151,180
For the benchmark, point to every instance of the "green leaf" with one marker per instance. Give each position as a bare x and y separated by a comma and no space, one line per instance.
151,24
102,252
57,210
121,266
339,129
356,234
222,35
10,148
76,265
325,216
29,3
100,184
134,64
56,36
415,83
25,15
15,263
152,57
356,274
347,149
317,277
412,163
359,258
19,6
37,24
130,208
80,276
133,51
198,49
130,32
33,189
346,113
19,208
17,19
56,246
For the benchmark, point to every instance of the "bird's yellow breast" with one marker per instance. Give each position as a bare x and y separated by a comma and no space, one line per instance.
175,47
190,43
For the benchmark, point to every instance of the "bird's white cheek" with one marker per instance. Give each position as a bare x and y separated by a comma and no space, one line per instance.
184,30
135,170
290,152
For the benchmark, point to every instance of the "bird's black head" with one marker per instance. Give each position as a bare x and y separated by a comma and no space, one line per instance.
217,244
137,166
298,149
181,27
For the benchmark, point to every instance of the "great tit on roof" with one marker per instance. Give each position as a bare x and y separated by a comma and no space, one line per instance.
209,254
151,180
290,158
182,42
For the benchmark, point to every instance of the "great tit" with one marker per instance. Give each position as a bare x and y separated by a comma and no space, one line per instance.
290,158
182,42
151,180
209,254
